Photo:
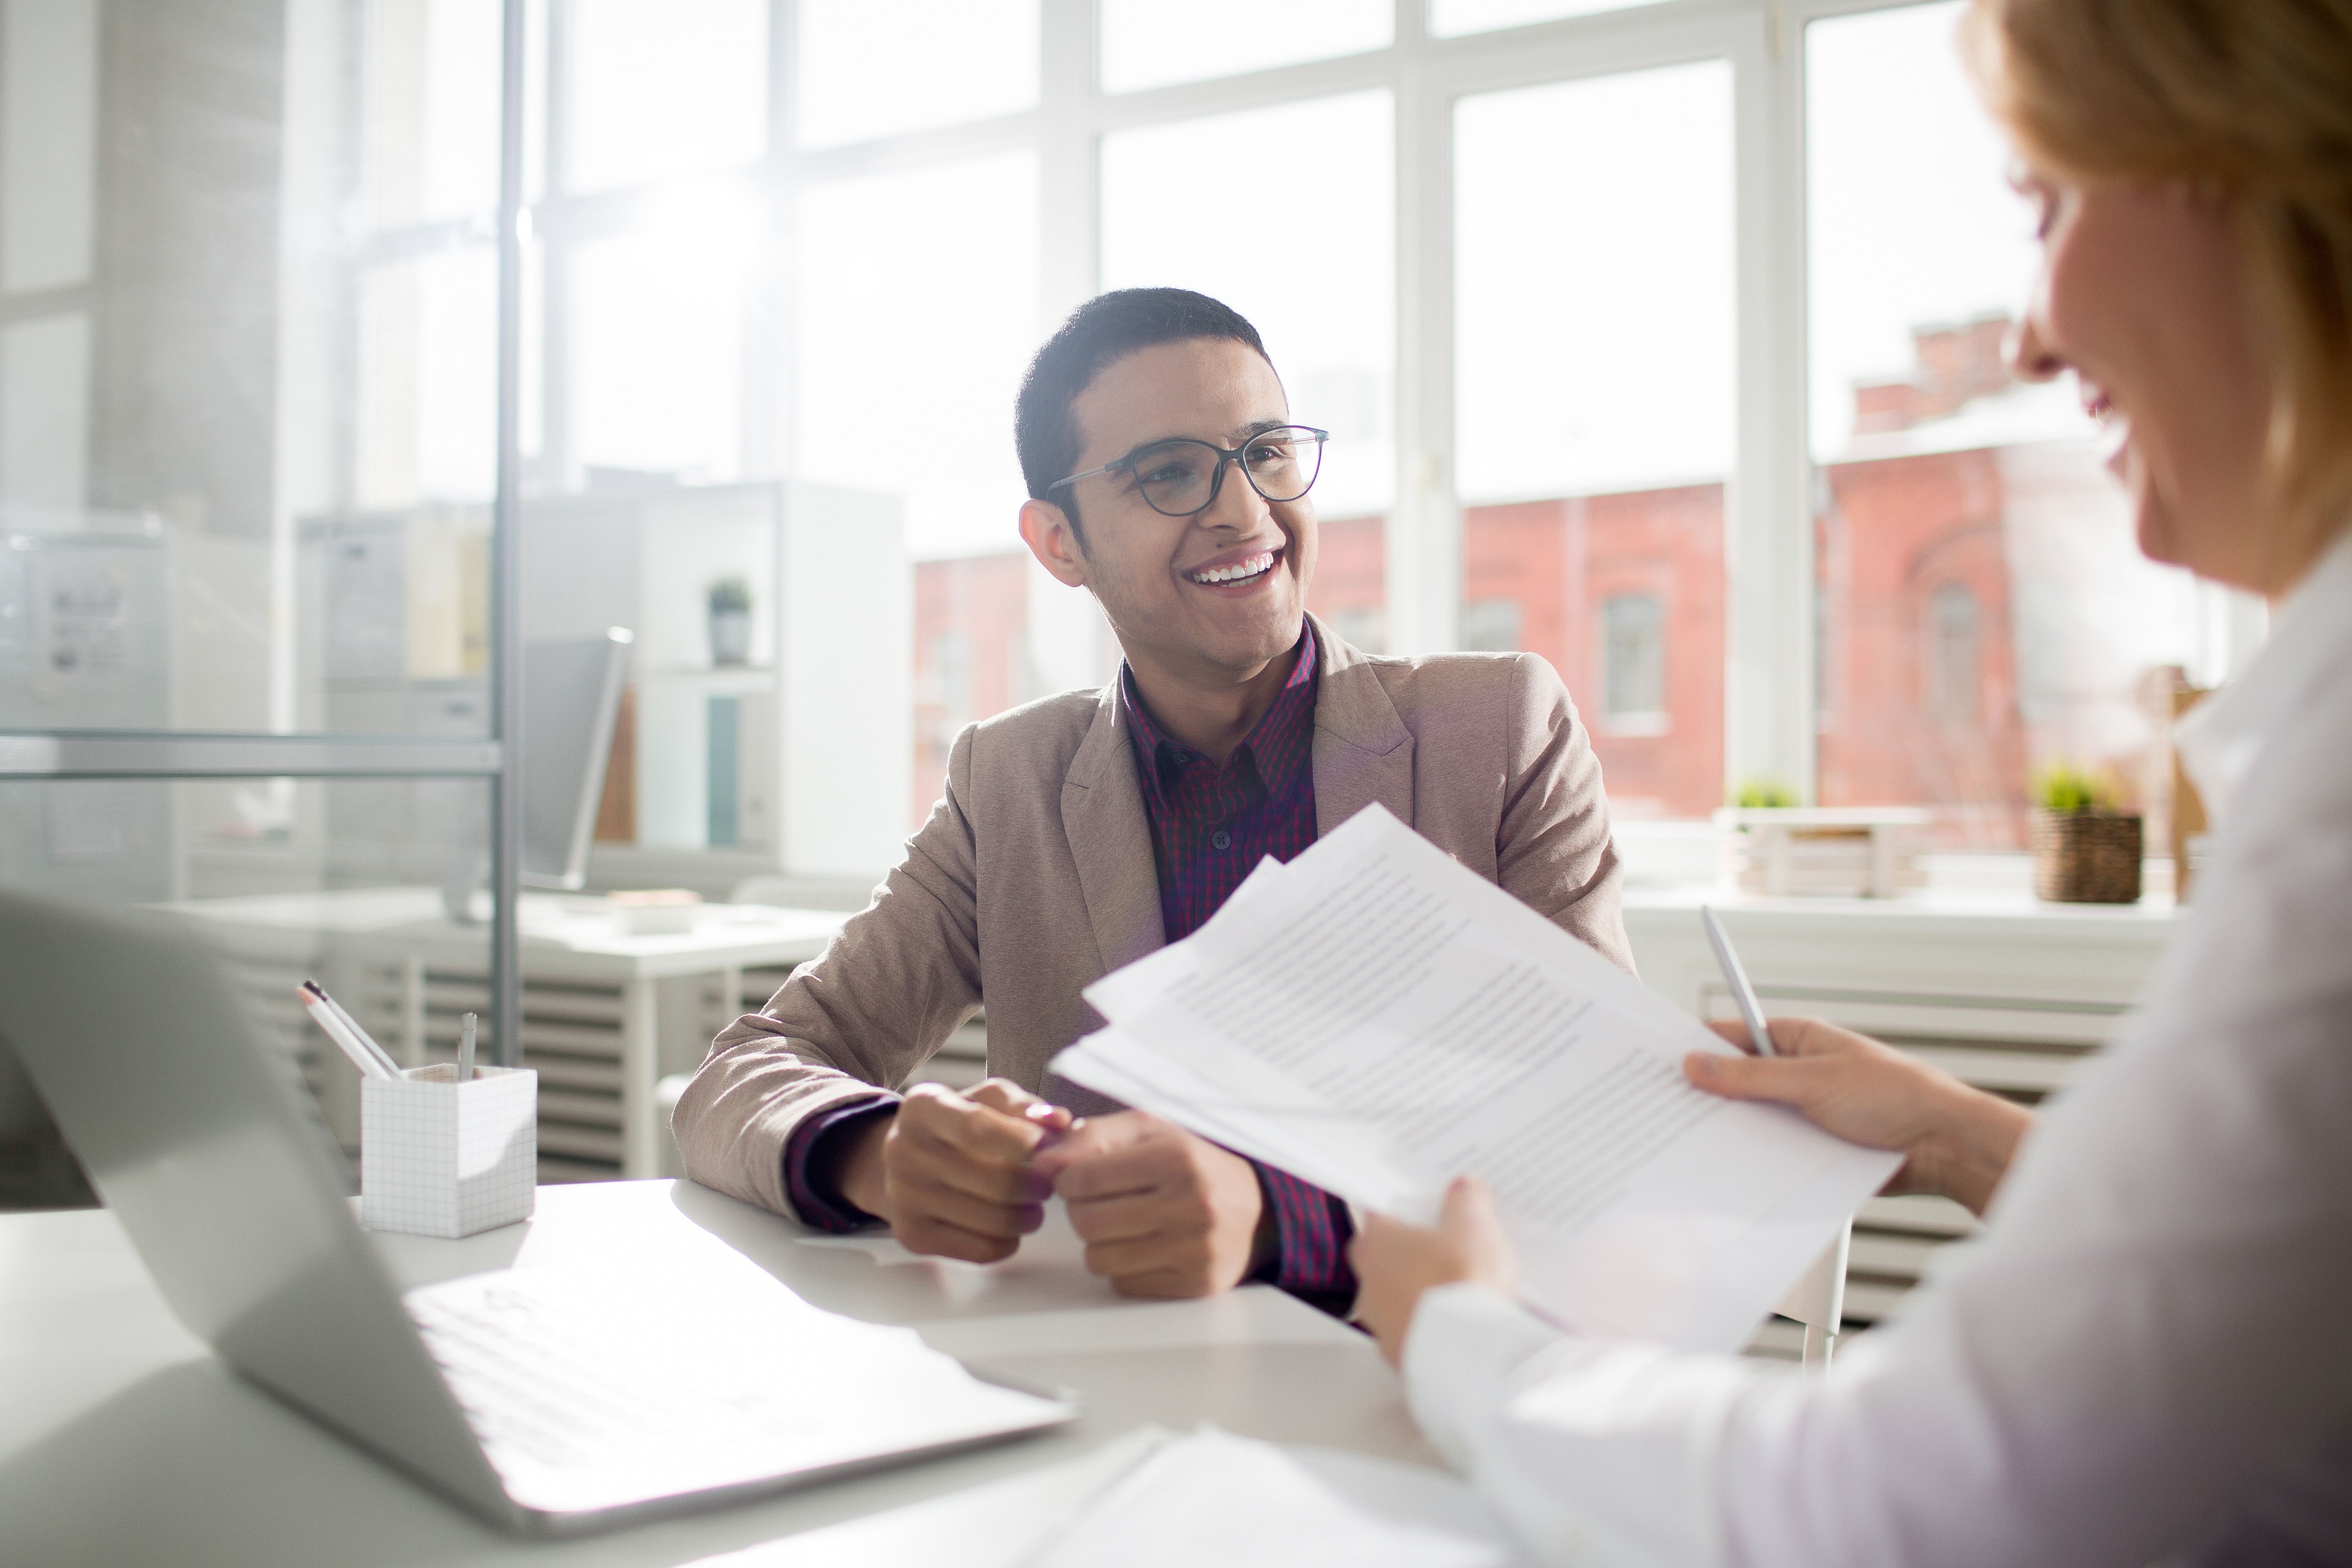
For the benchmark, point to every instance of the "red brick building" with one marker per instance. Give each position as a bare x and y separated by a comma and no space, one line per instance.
1918,679
1623,594
971,634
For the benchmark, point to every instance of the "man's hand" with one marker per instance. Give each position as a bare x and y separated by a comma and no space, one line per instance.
1956,1140
1162,1213
1396,1262
951,1173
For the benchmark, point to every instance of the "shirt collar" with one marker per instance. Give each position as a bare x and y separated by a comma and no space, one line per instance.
2310,638
1291,705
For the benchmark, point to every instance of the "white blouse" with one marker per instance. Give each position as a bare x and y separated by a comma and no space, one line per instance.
2148,1349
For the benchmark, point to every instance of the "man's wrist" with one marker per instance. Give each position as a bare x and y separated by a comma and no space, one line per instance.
1266,1244
850,1162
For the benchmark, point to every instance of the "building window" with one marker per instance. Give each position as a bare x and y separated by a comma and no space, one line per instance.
1955,681
1491,625
1634,664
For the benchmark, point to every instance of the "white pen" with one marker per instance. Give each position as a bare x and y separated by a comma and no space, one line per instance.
359,1029
366,1054
466,1049
356,1027
1751,1012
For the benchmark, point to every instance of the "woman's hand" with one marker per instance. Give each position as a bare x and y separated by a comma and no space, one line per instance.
1395,1262
1956,1140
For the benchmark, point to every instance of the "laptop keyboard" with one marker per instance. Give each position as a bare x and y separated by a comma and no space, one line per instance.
591,1391
541,1379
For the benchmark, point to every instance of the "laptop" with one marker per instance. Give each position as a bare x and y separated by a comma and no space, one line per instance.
547,1403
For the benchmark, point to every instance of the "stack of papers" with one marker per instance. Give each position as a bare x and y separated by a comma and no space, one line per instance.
1377,1019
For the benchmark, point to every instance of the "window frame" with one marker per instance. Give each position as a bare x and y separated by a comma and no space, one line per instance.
1770,647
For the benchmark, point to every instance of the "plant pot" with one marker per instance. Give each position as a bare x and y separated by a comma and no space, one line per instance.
730,636
2086,856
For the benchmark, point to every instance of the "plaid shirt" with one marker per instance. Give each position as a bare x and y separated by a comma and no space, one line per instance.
1209,824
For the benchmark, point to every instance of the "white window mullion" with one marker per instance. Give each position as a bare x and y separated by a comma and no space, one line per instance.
771,339
1069,247
1068,643
1424,536
1768,547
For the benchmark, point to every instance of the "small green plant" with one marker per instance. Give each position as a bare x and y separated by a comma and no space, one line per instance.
1763,795
2071,791
730,595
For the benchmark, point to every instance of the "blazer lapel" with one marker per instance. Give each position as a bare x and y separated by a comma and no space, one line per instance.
1363,753
1111,840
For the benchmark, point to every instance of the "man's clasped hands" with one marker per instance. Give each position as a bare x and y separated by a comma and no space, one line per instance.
1162,1211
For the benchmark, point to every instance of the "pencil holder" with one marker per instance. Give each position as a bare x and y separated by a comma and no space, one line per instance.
439,1157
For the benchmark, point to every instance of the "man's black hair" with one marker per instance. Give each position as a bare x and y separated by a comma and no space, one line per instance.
1106,328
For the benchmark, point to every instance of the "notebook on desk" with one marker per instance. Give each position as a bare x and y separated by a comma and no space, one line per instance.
544,1403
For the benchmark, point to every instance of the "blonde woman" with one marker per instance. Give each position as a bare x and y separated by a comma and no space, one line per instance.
2147,1356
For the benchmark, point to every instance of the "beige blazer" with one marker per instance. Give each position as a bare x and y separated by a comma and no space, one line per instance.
1034,878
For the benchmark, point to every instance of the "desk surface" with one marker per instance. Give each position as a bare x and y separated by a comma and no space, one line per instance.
123,1440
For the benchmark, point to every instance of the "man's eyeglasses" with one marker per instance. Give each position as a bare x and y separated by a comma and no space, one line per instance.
1181,477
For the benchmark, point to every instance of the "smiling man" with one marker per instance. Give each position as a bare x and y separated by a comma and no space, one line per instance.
1168,478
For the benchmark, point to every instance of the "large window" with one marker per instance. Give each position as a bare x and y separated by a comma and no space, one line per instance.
1663,340
1595,345
1983,608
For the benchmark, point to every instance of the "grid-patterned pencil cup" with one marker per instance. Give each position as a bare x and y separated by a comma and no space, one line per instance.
442,1158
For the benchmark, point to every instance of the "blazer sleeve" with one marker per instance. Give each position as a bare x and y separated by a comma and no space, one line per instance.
1552,849
862,1016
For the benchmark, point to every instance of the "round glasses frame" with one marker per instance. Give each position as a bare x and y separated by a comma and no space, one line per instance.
1302,434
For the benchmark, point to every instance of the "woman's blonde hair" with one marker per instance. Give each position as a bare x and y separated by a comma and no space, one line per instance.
2250,98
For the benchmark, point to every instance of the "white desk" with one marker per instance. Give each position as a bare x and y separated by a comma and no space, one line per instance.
122,1441
561,939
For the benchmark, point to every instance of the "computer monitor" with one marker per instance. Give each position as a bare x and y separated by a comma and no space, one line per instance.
571,698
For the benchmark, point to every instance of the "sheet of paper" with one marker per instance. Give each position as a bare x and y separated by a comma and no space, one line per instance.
1238,1502
1378,1019
1151,1498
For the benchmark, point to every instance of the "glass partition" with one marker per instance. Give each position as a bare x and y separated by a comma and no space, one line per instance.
374,887
248,395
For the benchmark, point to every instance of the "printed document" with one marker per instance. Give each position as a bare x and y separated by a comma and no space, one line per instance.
1377,1019
1152,1499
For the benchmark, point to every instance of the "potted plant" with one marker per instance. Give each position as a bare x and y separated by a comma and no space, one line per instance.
731,620
2085,850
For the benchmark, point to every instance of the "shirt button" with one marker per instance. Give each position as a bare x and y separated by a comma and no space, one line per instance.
1222,839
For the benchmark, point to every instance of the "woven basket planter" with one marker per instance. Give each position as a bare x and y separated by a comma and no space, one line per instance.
2086,856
